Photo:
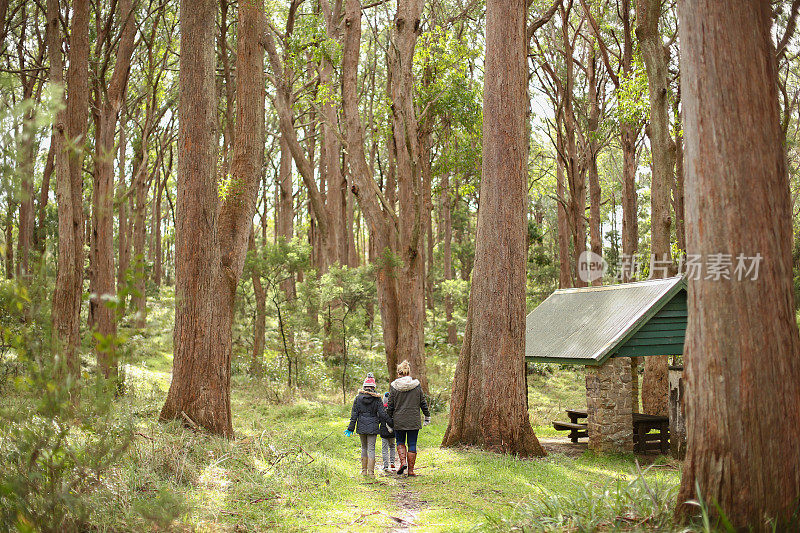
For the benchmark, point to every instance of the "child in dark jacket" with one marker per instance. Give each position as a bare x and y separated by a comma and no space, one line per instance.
387,440
365,418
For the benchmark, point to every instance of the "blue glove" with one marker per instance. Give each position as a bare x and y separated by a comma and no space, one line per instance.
348,433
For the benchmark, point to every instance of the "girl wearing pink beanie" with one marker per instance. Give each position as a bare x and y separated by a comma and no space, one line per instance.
365,418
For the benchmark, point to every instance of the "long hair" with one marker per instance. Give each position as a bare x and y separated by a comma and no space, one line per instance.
404,368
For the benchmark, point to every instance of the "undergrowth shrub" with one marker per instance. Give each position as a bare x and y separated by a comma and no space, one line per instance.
60,435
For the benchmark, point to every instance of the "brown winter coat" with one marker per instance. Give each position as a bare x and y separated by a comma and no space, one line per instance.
405,402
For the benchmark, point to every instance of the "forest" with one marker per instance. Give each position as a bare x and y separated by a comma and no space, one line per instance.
230,226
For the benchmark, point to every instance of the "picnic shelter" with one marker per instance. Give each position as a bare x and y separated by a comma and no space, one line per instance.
602,328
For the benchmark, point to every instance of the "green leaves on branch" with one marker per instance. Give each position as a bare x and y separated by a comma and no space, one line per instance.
633,99
446,88
353,287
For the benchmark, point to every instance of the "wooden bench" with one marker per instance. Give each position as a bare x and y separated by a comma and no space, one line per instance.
576,431
643,440
650,432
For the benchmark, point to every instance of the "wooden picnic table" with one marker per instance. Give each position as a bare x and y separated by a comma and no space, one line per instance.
643,440
576,414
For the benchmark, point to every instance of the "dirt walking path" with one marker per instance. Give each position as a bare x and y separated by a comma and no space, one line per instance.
409,504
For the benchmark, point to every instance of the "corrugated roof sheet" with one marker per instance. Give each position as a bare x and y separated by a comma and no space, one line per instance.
586,325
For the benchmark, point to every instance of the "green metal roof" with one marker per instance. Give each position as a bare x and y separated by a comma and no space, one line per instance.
590,324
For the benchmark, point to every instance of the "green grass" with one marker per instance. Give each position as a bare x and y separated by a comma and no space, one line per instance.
290,467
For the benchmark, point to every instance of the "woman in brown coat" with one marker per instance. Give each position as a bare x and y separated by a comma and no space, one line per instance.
406,399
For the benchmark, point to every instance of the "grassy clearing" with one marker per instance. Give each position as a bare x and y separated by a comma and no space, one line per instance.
292,469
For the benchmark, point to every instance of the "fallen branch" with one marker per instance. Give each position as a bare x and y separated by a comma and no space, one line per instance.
323,438
308,455
671,467
192,424
401,520
259,500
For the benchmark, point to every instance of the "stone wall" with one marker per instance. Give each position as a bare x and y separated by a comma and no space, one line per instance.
610,406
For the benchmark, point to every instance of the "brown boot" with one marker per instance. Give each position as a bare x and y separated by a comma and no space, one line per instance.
401,456
412,458
371,467
364,465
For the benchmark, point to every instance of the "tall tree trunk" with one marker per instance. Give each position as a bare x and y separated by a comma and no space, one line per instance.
742,347
285,199
655,384
331,172
103,316
575,174
378,209
199,387
335,250
386,245
259,324
40,235
425,148
677,196
593,149
629,132
9,237
142,188
630,199
564,271
124,246
411,275
447,223
285,225
237,208
334,190
157,218
69,131
28,147
488,406
25,236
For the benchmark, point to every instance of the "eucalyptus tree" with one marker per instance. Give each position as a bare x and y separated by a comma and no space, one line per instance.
742,344
561,81
488,406
69,133
30,50
107,102
199,385
614,37
655,53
